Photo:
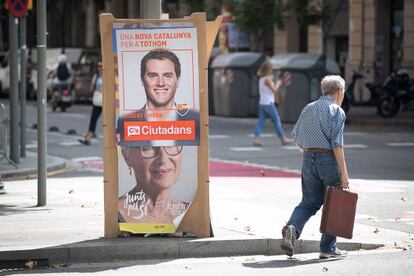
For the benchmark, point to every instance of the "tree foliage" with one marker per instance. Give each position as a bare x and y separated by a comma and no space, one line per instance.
255,16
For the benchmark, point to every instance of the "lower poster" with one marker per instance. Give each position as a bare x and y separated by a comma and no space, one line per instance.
156,186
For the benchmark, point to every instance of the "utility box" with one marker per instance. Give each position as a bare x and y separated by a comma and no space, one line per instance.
235,83
306,72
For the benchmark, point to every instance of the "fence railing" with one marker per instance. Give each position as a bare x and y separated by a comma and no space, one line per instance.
4,125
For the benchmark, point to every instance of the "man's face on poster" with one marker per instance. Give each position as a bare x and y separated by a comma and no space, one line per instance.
160,82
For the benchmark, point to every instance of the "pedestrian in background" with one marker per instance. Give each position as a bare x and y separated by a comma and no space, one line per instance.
96,89
319,133
268,91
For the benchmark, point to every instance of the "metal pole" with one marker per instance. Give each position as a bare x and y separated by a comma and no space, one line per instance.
23,85
150,9
41,103
131,8
14,90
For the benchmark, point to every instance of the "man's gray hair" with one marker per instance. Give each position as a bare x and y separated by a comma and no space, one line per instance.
331,84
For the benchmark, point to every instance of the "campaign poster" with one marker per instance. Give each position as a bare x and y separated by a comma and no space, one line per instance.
156,187
158,84
157,123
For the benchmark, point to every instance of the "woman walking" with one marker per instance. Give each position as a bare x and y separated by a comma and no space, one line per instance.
268,91
96,88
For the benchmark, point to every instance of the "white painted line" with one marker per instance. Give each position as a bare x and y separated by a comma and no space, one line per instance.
67,144
291,148
246,149
31,146
255,165
89,158
218,136
264,135
401,144
355,146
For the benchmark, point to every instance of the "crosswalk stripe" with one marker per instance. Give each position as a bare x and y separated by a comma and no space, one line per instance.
71,143
218,136
355,146
401,144
31,146
264,135
245,149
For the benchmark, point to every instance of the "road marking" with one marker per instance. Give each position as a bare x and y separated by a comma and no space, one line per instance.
401,144
31,146
355,146
291,148
218,136
72,143
246,149
263,135
89,158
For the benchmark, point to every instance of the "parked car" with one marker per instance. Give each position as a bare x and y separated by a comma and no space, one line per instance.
5,77
84,70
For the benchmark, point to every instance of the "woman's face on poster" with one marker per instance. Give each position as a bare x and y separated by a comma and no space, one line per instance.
156,167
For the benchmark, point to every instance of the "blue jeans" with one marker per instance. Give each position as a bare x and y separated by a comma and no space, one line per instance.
319,170
271,112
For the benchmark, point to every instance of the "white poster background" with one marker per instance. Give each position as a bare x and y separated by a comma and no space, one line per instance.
131,91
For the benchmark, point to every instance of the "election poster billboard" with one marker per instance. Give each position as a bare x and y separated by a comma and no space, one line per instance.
158,84
155,124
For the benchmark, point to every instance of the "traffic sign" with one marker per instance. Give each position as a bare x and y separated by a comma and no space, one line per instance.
18,8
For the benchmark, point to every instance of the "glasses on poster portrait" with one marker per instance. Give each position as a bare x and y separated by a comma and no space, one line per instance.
150,151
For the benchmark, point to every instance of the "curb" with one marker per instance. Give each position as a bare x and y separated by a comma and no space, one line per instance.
53,164
108,250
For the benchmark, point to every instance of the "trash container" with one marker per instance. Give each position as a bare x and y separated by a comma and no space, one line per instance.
235,83
306,71
215,52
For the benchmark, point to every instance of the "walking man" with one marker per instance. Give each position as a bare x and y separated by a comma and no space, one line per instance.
319,133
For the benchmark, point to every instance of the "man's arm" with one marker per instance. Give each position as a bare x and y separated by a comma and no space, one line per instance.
340,158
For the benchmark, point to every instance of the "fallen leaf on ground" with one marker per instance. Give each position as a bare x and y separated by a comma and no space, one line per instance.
248,228
372,219
188,268
252,259
403,198
71,191
376,230
30,264
397,219
324,269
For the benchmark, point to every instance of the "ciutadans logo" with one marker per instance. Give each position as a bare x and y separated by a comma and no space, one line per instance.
134,130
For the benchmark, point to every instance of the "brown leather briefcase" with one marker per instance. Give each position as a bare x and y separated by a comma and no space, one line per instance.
338,213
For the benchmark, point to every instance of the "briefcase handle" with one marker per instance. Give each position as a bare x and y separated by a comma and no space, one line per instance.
339,186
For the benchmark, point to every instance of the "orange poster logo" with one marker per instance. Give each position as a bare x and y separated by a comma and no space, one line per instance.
159,130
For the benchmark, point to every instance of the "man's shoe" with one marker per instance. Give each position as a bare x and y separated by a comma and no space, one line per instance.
286,141
289,238
334,254
257,142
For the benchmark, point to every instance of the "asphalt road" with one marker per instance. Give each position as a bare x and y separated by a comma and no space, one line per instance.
371,153
384,156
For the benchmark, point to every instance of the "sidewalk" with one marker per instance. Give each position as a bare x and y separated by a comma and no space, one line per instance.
247,216
368,117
